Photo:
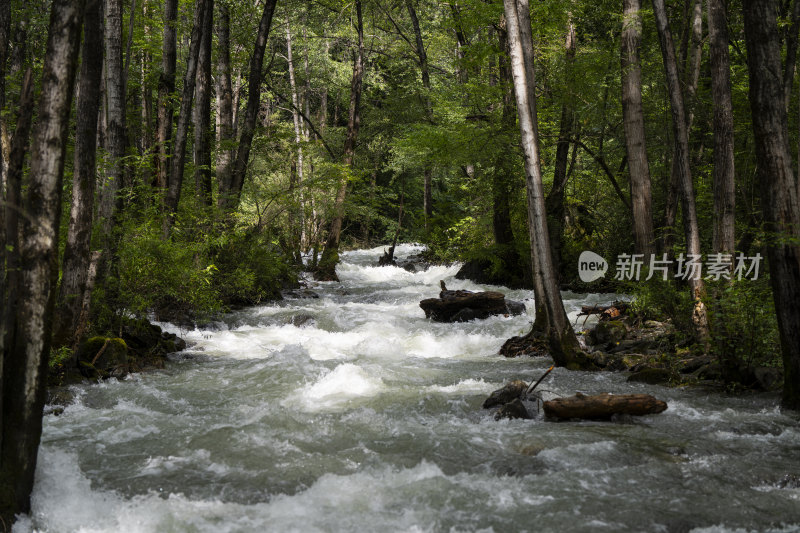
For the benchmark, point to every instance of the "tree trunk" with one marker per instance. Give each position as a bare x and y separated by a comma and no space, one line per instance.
779,199
295,213
422,56
115,114
182,128
502,178
603,406
202,113
554,203
723,171
633,122
691,79
248,126
551,319
24,374
77,250
226,135
330,255
791,54
166,86
679,125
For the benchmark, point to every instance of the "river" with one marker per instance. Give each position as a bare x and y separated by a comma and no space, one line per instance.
367,417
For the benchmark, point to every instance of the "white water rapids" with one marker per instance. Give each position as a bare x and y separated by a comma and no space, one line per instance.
367,417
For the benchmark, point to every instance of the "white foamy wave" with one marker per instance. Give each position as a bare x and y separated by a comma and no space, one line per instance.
338,388
467,385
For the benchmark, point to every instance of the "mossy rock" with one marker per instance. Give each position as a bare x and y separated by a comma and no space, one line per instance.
652,376
608,333
103,356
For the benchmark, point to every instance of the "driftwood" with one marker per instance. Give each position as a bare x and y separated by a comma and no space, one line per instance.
462,306
603,406
606,312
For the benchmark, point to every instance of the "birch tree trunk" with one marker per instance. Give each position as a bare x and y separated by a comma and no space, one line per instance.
779,199
166,88
551,320
24,374
724,170
248,125
633,122
297,177
182,128
77,251
202,113
680,128
330,255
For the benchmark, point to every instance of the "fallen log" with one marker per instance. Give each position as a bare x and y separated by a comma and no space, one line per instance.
462,306
606,312
603,406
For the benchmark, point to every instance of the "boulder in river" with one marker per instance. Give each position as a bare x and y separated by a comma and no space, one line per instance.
512,410
512,391
462,306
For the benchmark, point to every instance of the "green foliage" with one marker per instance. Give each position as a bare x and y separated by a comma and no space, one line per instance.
59,357
744,327
656,299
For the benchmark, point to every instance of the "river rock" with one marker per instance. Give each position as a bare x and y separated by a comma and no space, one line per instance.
511,391
300,294
512,410
463,306
652,376
102,357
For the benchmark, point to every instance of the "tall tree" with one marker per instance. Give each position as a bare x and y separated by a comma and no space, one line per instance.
75,268
297,176
551,319
248,125
723,170
330,255
226,134
554,202
779,198
633,122
24,373
680,129
115,113
202,113
166,86
184,116
422,56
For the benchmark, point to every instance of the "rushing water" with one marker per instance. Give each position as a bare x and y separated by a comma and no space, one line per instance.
367,417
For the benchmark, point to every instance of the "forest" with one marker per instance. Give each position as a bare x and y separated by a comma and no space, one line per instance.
176,160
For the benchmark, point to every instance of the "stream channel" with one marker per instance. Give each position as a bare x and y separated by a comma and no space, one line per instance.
367,417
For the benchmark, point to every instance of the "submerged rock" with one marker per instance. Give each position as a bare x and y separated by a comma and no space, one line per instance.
511,391
652,376
300,293
512,410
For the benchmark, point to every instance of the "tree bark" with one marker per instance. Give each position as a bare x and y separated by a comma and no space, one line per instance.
115,114
554,203
248,125
633,122
182,128
202,113
724,170
166,88
691,79
296,177
24,375
791,54
422,56
779,198
551,320
679,125
330,255
603,406
77,251
226,135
